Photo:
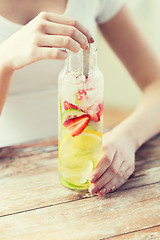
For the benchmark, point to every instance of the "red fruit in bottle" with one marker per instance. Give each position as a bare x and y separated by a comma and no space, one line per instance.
100,109
77,125
81,94
68,105
95,117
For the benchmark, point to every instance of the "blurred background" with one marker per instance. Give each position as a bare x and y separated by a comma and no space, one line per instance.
121,93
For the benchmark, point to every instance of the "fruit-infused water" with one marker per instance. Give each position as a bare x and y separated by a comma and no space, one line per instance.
80,120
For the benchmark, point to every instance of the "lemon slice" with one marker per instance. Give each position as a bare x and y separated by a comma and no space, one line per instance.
78,155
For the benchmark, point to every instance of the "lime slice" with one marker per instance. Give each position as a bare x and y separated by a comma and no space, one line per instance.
80,176
60,109
78,155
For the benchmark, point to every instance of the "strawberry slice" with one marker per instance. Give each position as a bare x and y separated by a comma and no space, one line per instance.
95,117
76,125
68,105
100,109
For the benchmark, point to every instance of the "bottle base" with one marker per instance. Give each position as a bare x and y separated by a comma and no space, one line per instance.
69,185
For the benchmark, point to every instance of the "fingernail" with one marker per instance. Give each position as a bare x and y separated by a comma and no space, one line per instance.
99,194
63,54
86,47
103,190
92,40
91,189
113,189
92,179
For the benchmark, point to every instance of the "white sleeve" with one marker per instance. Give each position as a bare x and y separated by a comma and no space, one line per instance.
108,9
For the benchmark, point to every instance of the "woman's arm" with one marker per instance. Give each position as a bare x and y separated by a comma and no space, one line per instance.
121,143
132,48
42,38
5,80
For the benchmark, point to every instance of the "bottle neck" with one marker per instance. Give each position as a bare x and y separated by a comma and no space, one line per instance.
93,57
75,62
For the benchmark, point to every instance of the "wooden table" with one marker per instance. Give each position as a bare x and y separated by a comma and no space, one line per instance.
35,206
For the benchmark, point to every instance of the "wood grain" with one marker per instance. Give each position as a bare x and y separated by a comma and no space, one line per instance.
90,218
29,176
34,205
152,233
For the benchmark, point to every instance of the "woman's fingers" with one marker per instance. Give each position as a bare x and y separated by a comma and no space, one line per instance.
115,182
64,30
115,167
122,169
103,164
42,53
41,38
56,18
58,42
50,53
112,184
110,173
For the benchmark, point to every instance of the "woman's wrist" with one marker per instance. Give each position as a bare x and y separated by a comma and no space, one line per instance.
126,135
6,72
5,64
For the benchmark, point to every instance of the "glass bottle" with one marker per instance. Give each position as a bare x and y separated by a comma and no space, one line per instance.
80,91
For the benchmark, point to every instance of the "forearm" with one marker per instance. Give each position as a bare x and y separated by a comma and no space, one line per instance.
144,122
5,79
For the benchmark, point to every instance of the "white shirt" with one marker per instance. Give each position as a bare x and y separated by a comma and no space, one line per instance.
30,111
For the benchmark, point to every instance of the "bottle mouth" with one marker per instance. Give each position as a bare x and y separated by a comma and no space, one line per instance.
93,49
93,55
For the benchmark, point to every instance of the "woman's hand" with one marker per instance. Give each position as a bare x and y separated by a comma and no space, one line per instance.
116,165
42,38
